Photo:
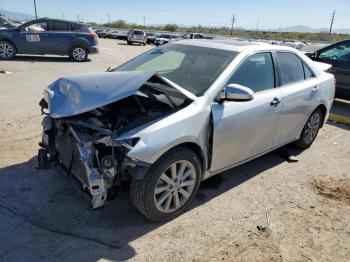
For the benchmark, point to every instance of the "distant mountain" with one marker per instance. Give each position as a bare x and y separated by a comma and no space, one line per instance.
17,16
306,29
343,31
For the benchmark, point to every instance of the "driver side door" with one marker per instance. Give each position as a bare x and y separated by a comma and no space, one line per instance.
34,38
243,130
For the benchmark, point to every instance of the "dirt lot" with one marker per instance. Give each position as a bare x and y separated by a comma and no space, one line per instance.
302,209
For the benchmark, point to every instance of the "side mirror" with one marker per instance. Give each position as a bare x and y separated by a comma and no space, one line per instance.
239,93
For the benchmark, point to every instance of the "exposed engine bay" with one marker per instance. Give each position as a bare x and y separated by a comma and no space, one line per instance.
87,144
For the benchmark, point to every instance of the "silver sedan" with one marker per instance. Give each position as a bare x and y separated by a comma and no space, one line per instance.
179,114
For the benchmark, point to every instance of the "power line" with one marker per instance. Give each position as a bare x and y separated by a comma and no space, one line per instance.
330,28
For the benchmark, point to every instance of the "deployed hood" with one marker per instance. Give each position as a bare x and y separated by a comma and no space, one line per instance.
79,94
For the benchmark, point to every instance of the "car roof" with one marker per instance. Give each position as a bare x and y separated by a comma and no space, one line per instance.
56,19
233,45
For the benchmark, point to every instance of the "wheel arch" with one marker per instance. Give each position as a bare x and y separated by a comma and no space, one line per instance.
11,42
323,110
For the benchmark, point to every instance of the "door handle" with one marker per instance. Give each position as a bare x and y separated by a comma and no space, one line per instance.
275,101
315,88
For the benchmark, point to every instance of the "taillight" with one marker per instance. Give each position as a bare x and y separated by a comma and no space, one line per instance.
92,35
335,81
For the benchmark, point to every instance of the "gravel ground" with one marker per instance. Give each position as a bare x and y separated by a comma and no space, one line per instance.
265,210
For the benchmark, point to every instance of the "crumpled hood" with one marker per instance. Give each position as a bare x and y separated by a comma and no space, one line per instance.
71,96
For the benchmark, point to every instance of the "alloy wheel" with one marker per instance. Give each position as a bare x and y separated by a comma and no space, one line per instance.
312,127
175,186
6,50
79,54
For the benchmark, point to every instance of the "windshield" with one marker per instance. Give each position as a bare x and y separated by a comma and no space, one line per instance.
194,68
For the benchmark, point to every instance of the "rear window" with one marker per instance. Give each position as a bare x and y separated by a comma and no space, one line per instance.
76,27
136,32
291,67
59,26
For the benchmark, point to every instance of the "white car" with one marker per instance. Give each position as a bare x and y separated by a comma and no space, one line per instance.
166,38
179,114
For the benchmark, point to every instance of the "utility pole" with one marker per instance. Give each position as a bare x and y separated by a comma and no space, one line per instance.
109,18
62,15
36,14
257,25
78,17
330,28
233,20
144,21
279,32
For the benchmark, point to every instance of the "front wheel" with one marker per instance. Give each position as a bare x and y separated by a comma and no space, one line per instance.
310,130
169,186
7,50
78,54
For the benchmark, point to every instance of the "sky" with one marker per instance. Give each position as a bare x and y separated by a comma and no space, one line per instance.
264,14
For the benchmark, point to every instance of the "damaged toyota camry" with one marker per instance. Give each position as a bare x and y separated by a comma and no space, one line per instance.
179,114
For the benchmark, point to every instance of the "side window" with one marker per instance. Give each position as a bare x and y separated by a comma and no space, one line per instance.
36,27
59,26
291,68
339,52
76,27
256,72
307,72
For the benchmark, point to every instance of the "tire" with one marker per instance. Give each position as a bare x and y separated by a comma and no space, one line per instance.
172,200
129,42
79,54
7,50
310,130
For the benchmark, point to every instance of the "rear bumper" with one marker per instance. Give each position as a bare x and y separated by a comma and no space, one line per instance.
93,49
137,40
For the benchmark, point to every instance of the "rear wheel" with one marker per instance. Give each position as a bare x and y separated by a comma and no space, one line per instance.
169,186
7,50
310,130
78,54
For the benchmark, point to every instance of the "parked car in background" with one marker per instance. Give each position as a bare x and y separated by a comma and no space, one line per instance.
101,33
151,37
197,36
179,114
122,35
166,38
110,33
136,36
337,55
49,36
294,44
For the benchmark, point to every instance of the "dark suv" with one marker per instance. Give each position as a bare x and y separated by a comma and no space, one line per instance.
338,55
49,36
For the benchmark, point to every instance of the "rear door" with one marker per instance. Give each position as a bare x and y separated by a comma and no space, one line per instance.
243,130
60,37
299,96
339,57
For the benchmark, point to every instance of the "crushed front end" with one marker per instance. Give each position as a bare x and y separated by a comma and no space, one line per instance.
84,123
